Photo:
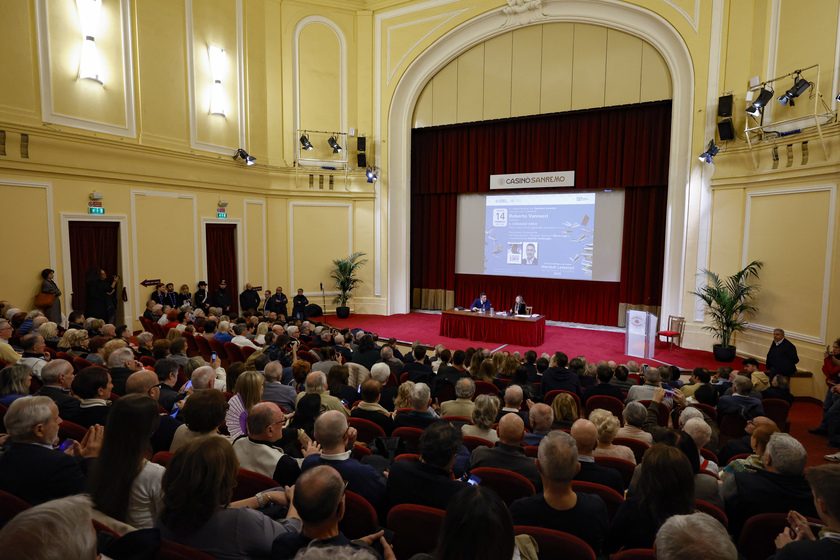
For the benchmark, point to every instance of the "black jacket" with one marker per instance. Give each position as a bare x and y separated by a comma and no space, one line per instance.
36,474
249,299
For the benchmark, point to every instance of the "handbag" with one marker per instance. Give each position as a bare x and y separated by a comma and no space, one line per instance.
44,300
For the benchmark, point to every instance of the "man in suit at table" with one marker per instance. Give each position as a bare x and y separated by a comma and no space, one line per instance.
481,304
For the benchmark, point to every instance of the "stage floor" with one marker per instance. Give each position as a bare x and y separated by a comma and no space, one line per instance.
591,343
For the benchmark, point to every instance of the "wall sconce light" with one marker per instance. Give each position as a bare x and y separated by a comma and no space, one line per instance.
89,65
244,156
218,105
334,144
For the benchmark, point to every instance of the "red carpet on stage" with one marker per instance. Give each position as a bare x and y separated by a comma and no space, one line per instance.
593,344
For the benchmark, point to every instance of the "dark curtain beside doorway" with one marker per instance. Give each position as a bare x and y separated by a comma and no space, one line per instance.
92,244
221,260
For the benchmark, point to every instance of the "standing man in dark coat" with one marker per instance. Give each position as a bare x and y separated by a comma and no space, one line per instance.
249,299
299,305
201,300
221,297
277,303
782,357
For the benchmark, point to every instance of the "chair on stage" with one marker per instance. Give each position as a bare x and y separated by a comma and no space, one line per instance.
676,326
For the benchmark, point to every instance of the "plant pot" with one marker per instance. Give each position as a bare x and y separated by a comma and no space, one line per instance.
344,312
724,354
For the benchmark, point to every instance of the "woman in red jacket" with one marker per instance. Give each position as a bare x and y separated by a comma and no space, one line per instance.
831,364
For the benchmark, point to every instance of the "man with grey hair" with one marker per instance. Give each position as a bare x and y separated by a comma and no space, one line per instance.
256,451
420,399
240,330
7,353
651,424
541,418
386,355
204,378
274,390
31,469
57,377
782,356
740,402
463,405
558,507
67,522
382,373
33,353
634,415
121,364
513,403
698,536
779,488
653,380
316,383
701,433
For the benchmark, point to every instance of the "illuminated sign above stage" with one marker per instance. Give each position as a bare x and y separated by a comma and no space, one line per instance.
533,180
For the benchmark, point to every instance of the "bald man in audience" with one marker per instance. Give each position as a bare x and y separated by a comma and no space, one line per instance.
275,391
508,453
541,418
559,507
145,382
585,435
463,404
316,383
742,445
513,403
203,378
256,451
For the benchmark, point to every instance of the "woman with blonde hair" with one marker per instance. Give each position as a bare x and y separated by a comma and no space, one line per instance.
486,371
509,366
608,424
77,339
262,328
565,411
183,296
247,393
14,383
173,334
483,417
110,346
403,398
475,364
49,331
498,361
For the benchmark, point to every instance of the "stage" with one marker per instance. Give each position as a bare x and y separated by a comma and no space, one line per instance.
592,343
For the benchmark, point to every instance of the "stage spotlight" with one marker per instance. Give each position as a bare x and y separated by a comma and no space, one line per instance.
799,87
757,107
304,142
371,174
334,145
243,155
710,153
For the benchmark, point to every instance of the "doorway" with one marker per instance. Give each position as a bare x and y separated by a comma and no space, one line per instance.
220,255
94,246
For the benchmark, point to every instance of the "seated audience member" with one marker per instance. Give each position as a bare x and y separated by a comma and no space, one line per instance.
33,346
7,353
121,364
645,392
696,536
61,528
559,507
203,378
57,377
530,365
621,379
699,377
328,359
450,373
759,378
30,468
145,344
513,401
701,434
370,409
754,393
388,393
604,386
665,488
123,482
14,383
160,349
463,404
274,391
403,398
585,435
530,392
508,454
758,440
395,365
418,371
246,394
167,373
307,410
743,445
541,417
428,482
178,352
337,379
77,340
319,501
652,426
203,414
145,382
419,417
565,411
240,337
634,415
722,379
49,331
197,512
96,349
799,541
257,451
316,383
337,441
740,403
367,354
779,488
607,425
483,416
222,333
92,385
557,377
76,320
779,389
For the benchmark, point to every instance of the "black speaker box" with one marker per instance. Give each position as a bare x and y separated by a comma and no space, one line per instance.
360,143
725,130
361,160
725,106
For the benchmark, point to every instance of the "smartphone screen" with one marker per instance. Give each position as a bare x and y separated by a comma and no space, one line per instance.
175,412
187,386
213,357
359,388
474,480
65,445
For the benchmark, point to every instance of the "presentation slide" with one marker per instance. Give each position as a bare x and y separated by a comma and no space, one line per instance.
553,234
569,235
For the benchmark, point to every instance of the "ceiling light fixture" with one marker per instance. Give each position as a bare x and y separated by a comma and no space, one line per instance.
244,156
710,153
334,144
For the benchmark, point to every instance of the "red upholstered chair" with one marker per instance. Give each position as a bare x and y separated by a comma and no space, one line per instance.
392,381
712,510
612,498
531,450
551,395
366,429
403,410
662,419
708,455
508,485
246,352
360,519
80,363
635,554
458,421
71,430
732,426
416,529
626,468
403,377
234,353
556,544
707,410
758,537
248,483
635,377
638,447
192,347
227,395
219,349
174,551
359,452
51,352
607,403
777,410
34,385
61,355
709,473
472,442
676,325
740,456
11,505
484,388
147,361
307,357
411,436
412,457
204,349
157,331
162,458
447,393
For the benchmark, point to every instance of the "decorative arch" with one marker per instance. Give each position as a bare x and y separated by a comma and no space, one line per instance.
630,19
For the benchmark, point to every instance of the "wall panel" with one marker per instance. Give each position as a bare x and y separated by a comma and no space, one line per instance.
320,78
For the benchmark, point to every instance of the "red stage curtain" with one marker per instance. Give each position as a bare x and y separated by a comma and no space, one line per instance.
617,147
92,245
221,260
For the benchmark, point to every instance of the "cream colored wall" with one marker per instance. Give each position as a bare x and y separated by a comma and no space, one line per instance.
548,68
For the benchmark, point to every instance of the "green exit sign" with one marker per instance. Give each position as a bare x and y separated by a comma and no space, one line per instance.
99,210
221,214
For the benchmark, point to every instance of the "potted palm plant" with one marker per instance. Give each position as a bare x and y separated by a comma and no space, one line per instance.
729,301
345,274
